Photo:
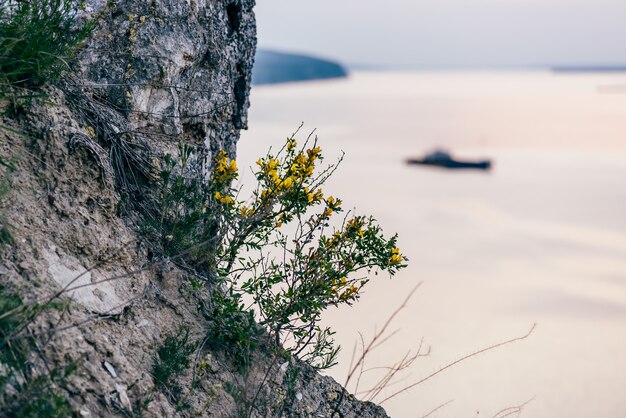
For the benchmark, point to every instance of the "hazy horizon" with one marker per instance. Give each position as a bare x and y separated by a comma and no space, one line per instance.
360,66
448,34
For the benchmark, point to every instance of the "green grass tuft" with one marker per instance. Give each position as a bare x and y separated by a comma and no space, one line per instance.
23,393
38,38
173,357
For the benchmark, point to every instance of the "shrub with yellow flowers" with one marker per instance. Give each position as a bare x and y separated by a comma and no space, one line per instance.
283,256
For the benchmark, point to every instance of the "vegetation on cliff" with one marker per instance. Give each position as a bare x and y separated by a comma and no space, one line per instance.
264,276
247,292
37,41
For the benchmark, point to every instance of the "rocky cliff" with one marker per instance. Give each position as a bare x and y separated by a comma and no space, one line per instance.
105,307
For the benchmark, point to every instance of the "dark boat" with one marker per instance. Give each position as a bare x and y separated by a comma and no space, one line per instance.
440,158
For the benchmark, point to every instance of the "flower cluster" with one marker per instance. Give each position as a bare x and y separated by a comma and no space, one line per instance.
290,175
355,226
224,199
350,293
396,258
225,169
344,290
332,206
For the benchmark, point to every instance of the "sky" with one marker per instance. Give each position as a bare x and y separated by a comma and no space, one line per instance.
448,33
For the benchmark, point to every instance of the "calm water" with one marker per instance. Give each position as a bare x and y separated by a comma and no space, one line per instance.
542,238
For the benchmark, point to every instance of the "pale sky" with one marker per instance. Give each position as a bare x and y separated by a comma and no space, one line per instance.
448,33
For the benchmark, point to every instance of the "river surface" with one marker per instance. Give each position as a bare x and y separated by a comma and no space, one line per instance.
539,239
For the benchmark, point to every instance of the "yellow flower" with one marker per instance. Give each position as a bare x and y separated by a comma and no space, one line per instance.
349,292
333,204
288,182
396,257
301,159
227,200
245,211
221,156
315,196
291,143
313,153
272,164
223,199
224,167
355,223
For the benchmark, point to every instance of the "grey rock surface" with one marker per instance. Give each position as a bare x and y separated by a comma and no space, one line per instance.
175,69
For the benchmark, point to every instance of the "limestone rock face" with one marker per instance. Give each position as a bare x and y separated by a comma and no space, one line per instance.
176,69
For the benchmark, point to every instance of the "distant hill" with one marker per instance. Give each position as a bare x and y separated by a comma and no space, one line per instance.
278,67
590,69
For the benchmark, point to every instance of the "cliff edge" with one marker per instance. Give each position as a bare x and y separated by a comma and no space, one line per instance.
94,322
